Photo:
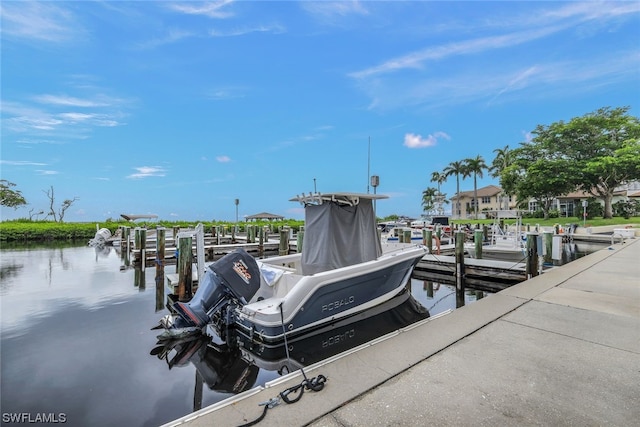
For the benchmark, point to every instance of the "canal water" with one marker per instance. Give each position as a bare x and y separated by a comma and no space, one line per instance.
77,345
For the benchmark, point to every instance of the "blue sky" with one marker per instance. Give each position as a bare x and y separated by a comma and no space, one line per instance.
179,108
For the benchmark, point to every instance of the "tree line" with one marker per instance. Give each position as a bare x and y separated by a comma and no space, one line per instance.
594,153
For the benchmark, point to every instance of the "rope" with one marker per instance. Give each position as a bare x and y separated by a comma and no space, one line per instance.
313,384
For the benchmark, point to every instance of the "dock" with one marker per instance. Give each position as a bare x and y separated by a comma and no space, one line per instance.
480,274
562,348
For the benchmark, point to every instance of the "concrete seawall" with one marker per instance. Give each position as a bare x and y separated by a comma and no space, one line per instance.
560,349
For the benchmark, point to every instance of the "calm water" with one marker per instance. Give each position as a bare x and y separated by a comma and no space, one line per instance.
76,340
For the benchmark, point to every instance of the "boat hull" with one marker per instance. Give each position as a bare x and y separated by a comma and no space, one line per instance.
337,295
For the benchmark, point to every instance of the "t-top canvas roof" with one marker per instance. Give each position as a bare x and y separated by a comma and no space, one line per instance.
340,230
350,199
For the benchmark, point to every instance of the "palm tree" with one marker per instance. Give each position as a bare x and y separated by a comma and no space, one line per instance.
439,178
503,159
456,168
428,199
475,166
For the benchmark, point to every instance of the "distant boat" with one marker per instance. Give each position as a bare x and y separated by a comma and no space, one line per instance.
343,270
101,238
504,245
134,217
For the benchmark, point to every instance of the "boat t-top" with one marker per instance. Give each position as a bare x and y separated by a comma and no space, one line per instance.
342,270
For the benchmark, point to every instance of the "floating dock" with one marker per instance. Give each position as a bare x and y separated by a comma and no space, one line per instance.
559,349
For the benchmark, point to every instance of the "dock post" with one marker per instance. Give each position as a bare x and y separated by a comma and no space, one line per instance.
125,245
284,241
175,231
139,279
485,232
532,255
547,250
141,244
460,285
477,239
251,233
185,267
300,239
556,248
261,242
160,250
407,235
427,285
428,239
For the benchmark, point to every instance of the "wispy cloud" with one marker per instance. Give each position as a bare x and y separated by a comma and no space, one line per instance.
39,21
274,29
228,92
172,36
47,116
433,76
47,172
223,159
69,101
416,60
331,9
213,9
412,140
147,171
505,83
21,163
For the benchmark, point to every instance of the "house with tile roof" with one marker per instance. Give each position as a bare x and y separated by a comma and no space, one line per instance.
490,198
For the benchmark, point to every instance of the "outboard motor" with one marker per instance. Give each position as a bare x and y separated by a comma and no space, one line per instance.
235,276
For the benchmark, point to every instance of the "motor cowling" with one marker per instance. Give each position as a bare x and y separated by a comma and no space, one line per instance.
235,276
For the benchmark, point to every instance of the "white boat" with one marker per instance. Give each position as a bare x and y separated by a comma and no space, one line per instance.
506,244
393,235
101,238
343,270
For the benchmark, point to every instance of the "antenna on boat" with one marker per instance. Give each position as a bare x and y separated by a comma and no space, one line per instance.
368,164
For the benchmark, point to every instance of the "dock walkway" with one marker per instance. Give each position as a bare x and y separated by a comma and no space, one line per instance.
560,349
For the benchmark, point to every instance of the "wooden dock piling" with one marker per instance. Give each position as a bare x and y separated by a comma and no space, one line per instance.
160,250
547,241
185,266
532,255
427,239
284,241
300,239
460,285
478,237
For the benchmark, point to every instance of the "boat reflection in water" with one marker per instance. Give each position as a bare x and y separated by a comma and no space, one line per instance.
233,367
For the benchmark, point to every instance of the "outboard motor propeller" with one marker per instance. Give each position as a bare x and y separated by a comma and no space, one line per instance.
235,276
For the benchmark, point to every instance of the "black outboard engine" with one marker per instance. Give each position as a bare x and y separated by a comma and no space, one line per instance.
235,276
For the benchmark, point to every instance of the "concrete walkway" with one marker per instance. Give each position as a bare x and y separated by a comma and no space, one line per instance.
560,349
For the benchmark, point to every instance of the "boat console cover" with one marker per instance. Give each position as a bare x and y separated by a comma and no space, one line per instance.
338,235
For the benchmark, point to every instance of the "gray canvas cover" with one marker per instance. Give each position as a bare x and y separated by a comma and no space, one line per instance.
338,236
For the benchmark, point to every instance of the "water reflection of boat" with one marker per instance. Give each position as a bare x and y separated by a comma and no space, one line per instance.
343,269
233,367
337,337
221,367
